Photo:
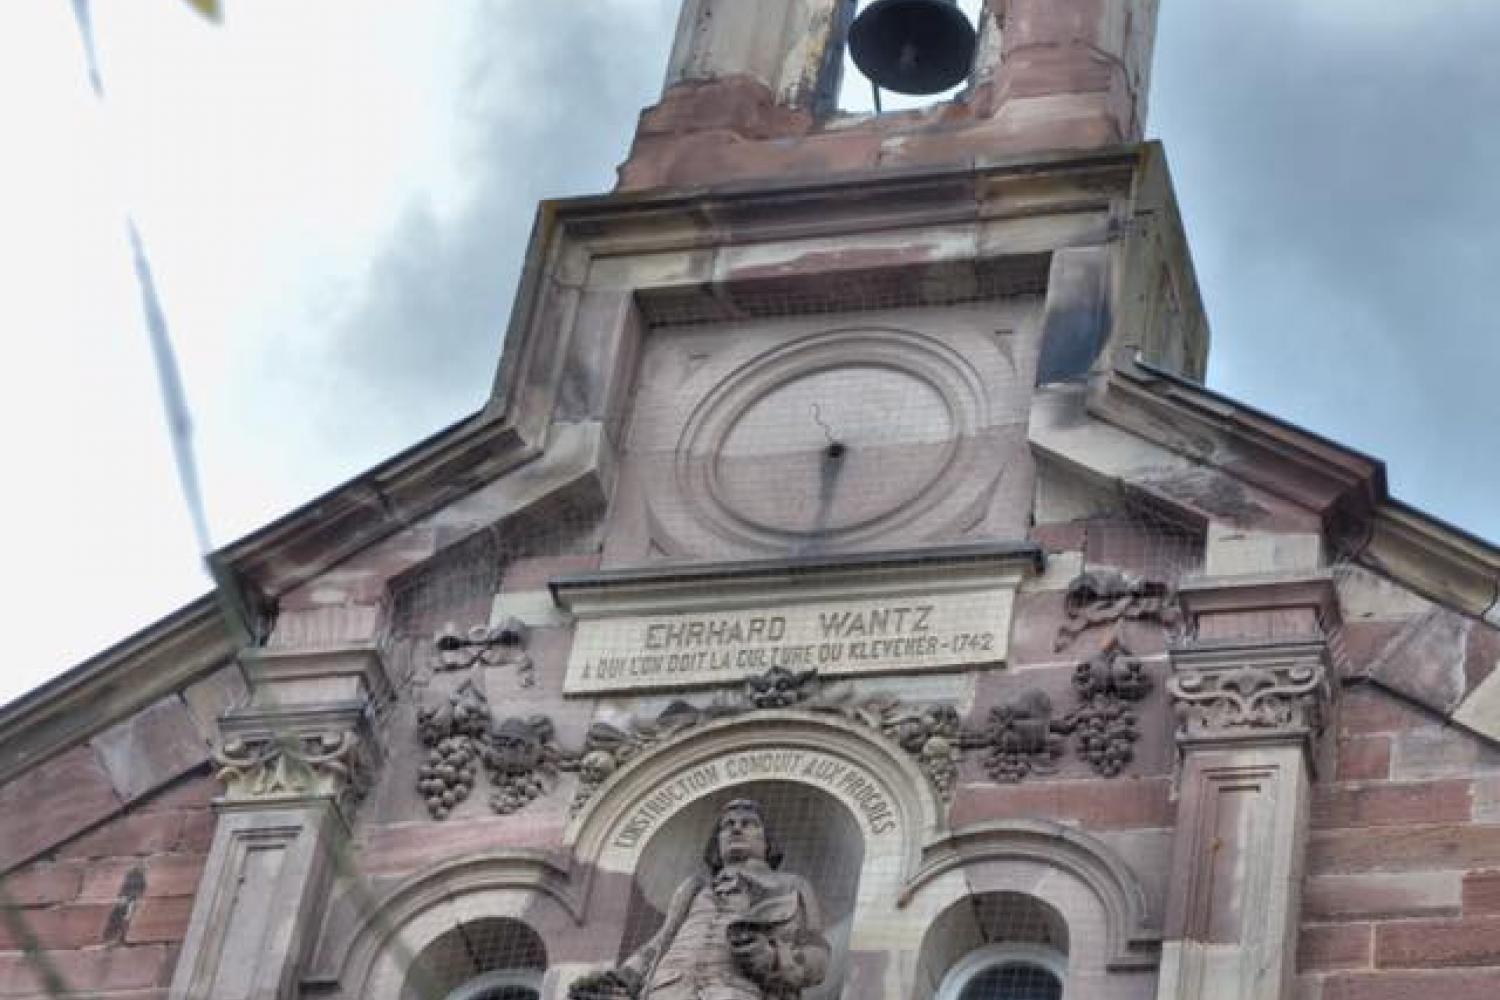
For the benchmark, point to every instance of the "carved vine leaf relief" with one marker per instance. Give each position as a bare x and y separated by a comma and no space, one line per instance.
1107,597
291,765
1023,737
462,736
1286,696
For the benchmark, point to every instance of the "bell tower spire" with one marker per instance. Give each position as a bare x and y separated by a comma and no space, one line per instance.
751,88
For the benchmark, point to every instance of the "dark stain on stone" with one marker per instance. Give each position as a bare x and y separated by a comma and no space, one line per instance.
131,888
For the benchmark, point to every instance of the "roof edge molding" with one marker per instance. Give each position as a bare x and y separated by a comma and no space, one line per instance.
1345,489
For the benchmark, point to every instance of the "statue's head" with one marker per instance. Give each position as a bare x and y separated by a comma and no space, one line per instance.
741,835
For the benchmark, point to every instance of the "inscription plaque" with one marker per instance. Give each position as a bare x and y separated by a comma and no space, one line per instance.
842,777
945,610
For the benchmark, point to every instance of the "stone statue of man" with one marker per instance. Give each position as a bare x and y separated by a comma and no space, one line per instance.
742,930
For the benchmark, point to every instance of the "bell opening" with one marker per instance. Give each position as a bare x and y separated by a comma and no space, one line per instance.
919,53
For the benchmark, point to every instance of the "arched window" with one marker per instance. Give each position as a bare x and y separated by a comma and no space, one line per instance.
1006,972
496,958
525,984
998,946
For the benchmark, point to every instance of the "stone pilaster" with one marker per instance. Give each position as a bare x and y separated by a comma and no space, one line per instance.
294,762
1252,688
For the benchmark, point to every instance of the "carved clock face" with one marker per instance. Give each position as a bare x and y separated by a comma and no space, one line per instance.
826,451
808,435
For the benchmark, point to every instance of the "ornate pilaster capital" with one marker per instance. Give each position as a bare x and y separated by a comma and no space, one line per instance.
1251,693
308,732
294,756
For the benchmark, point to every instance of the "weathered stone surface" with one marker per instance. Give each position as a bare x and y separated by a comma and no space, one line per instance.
1238,552
1367,709
1425,661
91,971
535,572
1438,944
1483,654
41,885
159,920
1430,753
1391,804
1368,596
1450,985
213,696
174,874
54,800
1482,894
56,928
1364,758
152,747
108,879
409,847
128,835
1418,848
1379,896
1110,804
1334,946
193,793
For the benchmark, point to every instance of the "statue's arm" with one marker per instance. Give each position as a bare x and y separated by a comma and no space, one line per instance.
805,958
627,980
646,955
794,957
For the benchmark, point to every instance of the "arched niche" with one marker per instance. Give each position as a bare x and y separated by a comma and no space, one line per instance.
808,757
820,839
897,809
491,957
1096,910
375,954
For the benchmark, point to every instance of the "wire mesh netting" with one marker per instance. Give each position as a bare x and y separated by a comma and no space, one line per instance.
1013,981
918,428
493,959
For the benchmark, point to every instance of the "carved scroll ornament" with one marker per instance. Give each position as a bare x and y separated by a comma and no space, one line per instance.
498,645
1261,698
290,765
1107,597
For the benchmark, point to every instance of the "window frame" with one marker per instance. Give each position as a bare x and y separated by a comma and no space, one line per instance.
529,979
981,960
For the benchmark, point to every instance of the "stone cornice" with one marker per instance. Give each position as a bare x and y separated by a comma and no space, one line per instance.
1286,461
377,503
650,587
1435,559
1344,487
181,648
1219,595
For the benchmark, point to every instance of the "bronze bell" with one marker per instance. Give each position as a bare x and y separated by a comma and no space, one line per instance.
913,46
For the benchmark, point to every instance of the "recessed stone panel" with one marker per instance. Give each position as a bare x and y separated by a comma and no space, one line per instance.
696,627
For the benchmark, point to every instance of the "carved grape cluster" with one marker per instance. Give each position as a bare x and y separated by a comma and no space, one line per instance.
447,777
1106,734
512,794
453,732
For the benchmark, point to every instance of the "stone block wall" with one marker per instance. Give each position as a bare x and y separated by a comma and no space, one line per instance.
105,911
1404,854
1404,859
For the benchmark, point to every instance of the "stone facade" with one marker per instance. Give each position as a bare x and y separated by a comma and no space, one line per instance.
855,467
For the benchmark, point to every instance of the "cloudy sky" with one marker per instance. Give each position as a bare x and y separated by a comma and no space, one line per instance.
336,197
